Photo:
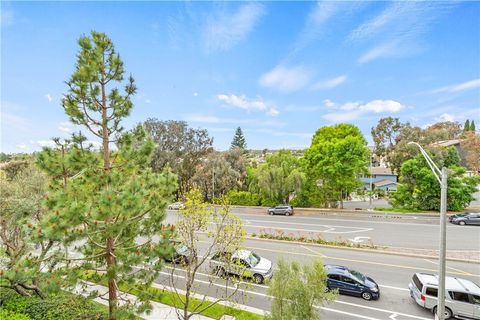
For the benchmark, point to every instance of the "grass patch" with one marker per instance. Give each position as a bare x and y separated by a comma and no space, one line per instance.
168,298
403,210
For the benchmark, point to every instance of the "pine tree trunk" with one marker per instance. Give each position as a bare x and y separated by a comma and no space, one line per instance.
111,262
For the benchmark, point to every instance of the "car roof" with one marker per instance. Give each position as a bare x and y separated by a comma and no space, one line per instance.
334,269
242,254
451,283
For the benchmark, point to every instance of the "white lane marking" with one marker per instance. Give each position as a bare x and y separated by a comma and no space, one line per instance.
393,316
392,287
380,310
335,301
357,316
308,224
348,220
359,239
454,269
315,231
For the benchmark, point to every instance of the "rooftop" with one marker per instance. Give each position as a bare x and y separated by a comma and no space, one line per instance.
381,170
451,283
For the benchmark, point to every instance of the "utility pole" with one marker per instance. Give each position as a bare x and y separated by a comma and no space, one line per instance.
442,179
371,182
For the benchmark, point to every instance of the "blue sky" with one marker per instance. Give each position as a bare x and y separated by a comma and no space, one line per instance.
280,70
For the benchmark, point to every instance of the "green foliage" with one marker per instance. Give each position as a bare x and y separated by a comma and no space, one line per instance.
335,160
243,198
466,126
63,306
419,189
472,126
278,179
238,140
11,315
106,200
298,290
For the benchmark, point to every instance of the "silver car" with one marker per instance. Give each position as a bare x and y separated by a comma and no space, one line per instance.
243,263
462,297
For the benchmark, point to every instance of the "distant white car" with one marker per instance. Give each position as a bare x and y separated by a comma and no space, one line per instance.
176,206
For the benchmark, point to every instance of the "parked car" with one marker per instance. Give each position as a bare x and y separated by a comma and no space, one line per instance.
351,282
470,218
462,297
243,263
283,209
458,215
180,253
176,206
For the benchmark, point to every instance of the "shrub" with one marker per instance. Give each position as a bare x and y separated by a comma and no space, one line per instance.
10,315
243,198
63,306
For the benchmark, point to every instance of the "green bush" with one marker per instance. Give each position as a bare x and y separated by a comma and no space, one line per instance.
63,306
243,198
10,315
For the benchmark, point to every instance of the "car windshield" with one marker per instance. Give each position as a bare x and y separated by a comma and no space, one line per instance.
253,259
357,276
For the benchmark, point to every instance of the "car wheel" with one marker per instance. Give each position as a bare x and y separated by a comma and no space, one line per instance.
287,213
448,312
258,278
366,295
462,223
270,213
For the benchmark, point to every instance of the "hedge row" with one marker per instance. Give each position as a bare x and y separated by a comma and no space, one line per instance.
62,306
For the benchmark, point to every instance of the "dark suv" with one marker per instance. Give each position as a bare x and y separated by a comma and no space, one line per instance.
351,282
283,209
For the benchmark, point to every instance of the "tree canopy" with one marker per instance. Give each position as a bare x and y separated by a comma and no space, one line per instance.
336,158
238,140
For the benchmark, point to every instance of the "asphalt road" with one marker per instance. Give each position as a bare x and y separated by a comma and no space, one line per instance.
392,273
383,230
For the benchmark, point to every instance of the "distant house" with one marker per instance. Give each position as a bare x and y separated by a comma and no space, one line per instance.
382,178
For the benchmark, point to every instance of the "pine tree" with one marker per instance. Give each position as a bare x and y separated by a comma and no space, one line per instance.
238,140
472,126
107,199
466,126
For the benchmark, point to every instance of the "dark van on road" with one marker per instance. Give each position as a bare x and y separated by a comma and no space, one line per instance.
351,282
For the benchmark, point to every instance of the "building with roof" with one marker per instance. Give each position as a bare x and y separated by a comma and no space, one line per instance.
382,179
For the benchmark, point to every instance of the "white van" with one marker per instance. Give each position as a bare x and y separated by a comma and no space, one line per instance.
462,297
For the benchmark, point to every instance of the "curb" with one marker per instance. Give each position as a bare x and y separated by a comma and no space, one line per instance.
378,251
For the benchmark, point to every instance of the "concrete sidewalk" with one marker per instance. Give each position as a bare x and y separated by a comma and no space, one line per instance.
159,311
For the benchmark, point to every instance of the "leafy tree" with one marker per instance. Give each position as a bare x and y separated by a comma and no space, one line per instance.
238,140
336,158
21,197
419,189
466,126
385,135
179,147
297,291
106,200
470,147
223,232
280,177
220,172
472,126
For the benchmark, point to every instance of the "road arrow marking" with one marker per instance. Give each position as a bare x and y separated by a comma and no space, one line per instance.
359,239
393,316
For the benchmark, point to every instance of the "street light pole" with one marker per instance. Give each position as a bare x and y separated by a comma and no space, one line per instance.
371,181
442,179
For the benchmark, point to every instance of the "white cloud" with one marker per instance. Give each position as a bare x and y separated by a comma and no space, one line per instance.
199,118
148,101
224,30
22,146
464,86
65,127
447,117
398,28
243,102
330,83
286,79
329,103
45,143
195,94
354,110
49,97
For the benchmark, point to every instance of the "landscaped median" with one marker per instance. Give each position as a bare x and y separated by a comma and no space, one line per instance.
168,298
